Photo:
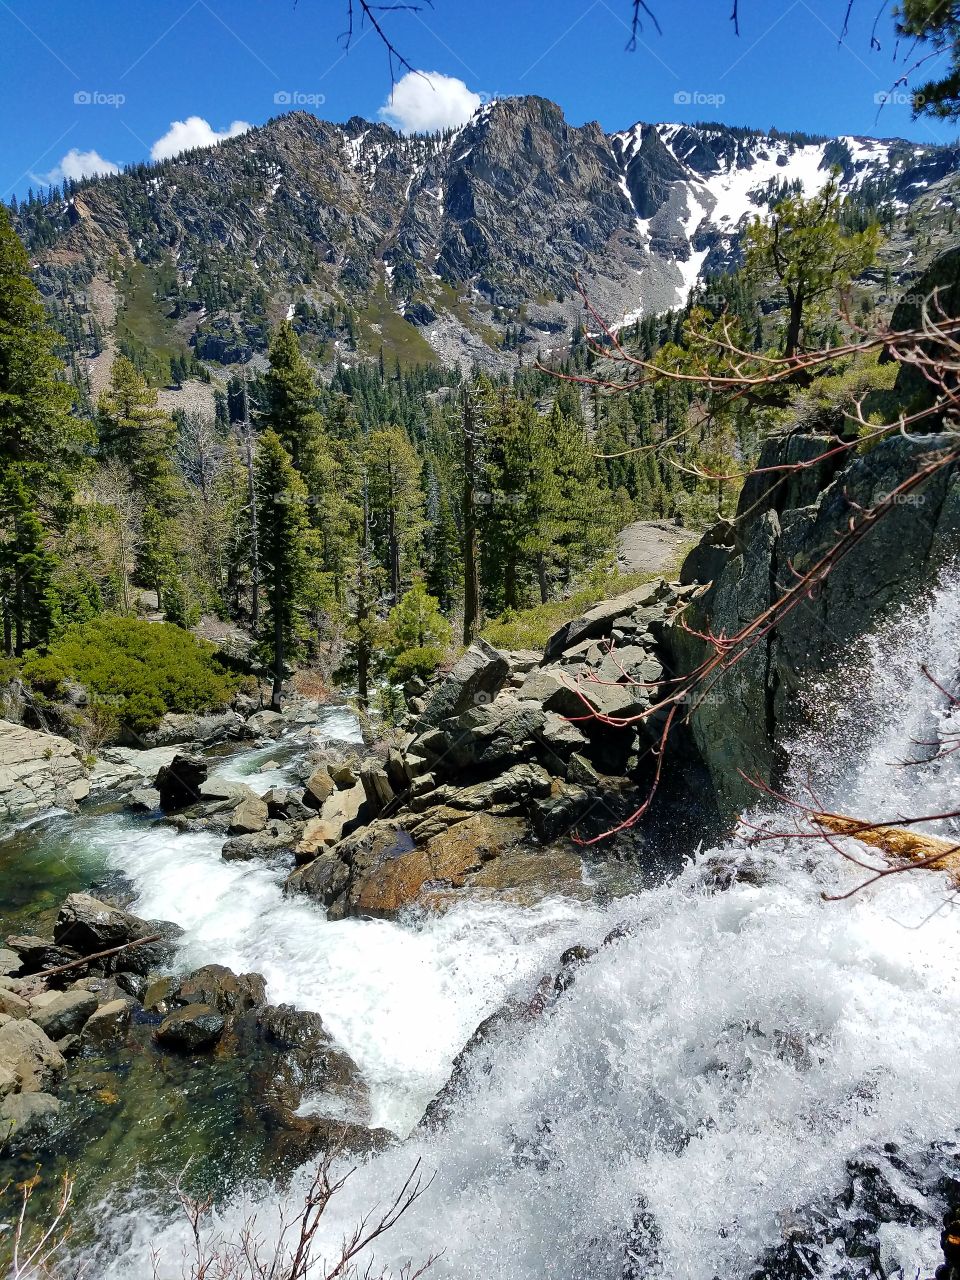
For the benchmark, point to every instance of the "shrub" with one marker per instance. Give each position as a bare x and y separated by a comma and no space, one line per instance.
141,669
422,661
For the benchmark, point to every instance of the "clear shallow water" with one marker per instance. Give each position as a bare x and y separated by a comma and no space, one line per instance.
709,1075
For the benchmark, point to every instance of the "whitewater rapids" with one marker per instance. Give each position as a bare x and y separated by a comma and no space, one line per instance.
710,1074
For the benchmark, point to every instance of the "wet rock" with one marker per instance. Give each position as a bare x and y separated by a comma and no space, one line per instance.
37,954
307,1060
108,1025
62,1013
191,1029
179,782
38,771
325,878
218,987
86,924
134,984
144,800
277,839
24,1117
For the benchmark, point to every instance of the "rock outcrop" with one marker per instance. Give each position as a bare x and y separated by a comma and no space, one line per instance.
493,770
38,771
785,522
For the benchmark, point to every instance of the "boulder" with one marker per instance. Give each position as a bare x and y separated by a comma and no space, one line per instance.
555,690
393,883
250,815
179,782
477,678
88,925
599,621
344,774
108,1025
9,961
491,735
62,1013
175,729
191,1029
265,724
29,1058
344,807
13,1005
274,841
306,1059
325,878
376,785
317,834
221,989
319,788
282,802
144,800
26,1116
38,771
37,954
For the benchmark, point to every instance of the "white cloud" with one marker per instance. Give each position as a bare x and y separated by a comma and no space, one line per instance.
425,101
80,164
184,135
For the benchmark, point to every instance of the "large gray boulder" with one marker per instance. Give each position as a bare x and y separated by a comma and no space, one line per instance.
477,678
29,1060
38,771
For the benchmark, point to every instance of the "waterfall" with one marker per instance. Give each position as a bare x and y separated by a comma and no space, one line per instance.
704,1085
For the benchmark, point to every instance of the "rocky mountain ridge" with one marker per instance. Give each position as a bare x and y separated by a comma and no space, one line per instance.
436,247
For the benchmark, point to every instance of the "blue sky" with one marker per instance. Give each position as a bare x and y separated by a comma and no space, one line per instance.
104,80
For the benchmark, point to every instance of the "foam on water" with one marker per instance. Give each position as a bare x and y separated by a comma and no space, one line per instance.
402,999
706,1077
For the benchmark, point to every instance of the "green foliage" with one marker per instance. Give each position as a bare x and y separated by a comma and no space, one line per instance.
415,635
532,628
139,669
422,661
807,253
936,24
41,450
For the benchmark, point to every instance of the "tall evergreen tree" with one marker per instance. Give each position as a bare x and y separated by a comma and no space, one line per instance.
283,545
41,450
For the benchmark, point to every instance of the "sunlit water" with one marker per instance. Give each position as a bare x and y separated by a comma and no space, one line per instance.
708,1076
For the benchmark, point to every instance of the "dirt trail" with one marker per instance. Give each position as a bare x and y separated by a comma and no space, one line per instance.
653,546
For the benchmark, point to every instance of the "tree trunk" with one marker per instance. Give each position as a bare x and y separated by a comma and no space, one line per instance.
794,325
276,694
471,547
254,528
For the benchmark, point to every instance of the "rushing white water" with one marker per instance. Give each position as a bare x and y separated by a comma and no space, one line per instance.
709,1074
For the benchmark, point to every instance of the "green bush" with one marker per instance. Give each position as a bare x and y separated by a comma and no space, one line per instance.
422,661
141,669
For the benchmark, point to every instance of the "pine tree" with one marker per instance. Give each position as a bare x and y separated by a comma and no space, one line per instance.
133,430
291,408
396,504
41,450
283,545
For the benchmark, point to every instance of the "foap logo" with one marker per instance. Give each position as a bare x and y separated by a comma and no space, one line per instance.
899,98
96,98
902,499
697,98
297,98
